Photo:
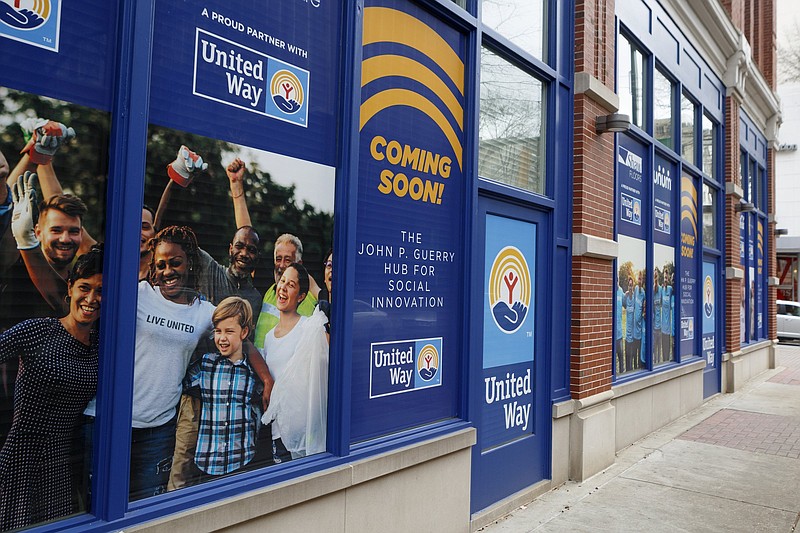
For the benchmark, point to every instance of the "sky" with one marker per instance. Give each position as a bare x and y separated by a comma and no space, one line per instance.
314,183
788,17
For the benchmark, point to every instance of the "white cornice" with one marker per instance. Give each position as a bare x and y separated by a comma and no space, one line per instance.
709,28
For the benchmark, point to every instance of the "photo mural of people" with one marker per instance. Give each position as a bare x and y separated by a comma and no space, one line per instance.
274,349
52,207
663,311
631,304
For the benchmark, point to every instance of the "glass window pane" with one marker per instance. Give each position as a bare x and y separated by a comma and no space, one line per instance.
630,81
461,3
752,176
742,168
688,127
511,128
210,288
709,146
663,111
709,216
49,328
521,21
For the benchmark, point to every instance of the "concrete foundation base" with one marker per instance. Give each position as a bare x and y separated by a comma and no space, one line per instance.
592,436
422,487
740,367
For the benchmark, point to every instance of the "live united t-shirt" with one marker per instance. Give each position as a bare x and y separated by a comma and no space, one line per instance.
166,336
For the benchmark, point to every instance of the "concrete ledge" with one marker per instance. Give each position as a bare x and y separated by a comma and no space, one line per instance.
503,507
773,281
727,356
251,505
655,378
734,190
562,409
591,246
754,347
592,436
734,273
591,401
587,84
400,459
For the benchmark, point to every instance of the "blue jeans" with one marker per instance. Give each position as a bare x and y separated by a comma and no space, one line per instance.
151,460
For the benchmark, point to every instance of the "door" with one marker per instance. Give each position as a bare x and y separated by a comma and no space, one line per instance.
711,330
508,396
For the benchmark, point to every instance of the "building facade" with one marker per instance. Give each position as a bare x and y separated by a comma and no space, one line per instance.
551,227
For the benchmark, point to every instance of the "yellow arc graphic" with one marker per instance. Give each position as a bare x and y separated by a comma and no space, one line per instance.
382,24
397,97
388,25
382,66
689,203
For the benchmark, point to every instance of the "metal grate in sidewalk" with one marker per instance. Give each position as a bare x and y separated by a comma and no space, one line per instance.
754,432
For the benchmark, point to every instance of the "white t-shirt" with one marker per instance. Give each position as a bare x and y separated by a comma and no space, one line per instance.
166,336
278,352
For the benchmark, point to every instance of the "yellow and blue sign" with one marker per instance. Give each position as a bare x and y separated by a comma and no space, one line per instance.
410,216
35,22
404,366
508,329
688,265
236,75
709,313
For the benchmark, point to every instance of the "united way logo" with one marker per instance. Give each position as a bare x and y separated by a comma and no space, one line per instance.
428,362
286,91
509,289
31,21
708,297
24,15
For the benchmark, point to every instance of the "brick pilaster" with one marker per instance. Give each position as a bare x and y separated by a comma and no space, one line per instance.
733,287
593,206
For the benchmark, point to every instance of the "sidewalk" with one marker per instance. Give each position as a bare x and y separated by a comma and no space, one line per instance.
732,465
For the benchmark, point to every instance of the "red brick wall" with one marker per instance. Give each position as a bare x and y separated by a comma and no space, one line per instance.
733,287
757,20
735,9
593,203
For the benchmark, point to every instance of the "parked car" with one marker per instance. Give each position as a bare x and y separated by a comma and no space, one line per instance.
788,320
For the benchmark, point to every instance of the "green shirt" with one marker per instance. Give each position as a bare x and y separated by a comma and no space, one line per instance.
269,316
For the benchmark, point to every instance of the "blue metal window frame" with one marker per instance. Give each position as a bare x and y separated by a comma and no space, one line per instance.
131,94
555,71
693,78
753,147
112,511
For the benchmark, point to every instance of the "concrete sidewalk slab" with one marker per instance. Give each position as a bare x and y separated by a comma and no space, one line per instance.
728,466
723,473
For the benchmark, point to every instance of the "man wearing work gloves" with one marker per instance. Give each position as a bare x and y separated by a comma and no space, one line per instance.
58,228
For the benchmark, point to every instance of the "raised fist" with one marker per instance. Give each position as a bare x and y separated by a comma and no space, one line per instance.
183,169
44,138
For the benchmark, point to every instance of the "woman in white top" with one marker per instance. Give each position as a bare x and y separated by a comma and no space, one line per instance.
296,352
171,319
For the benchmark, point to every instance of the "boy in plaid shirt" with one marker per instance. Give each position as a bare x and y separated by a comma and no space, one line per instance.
230,393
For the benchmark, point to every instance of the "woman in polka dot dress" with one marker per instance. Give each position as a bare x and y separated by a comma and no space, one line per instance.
57,378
